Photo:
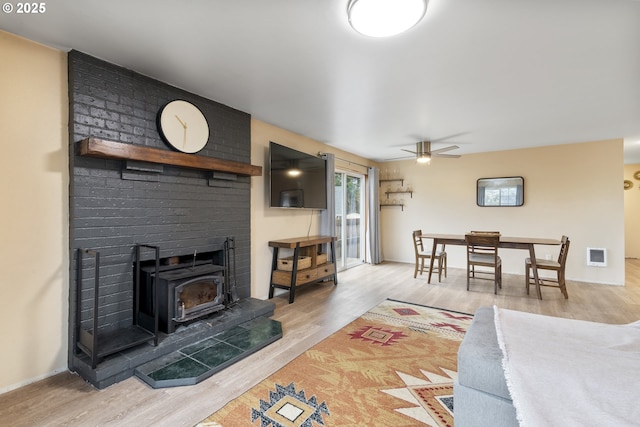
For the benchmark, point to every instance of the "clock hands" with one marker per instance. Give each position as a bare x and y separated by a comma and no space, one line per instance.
184,125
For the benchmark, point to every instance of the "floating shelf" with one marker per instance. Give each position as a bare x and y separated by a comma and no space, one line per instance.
398,192
94,147
394,179
397,204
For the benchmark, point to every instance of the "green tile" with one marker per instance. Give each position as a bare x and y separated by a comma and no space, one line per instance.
183,368
224,336
241,340
254,337
217,354
200,345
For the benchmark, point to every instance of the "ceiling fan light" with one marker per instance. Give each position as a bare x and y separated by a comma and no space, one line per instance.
385,18
423,158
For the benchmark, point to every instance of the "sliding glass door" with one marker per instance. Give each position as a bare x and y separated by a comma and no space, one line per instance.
350,219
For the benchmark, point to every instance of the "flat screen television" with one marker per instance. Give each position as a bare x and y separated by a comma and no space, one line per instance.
297,179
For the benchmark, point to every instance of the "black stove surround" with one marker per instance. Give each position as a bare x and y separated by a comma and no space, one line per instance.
117,204
188,288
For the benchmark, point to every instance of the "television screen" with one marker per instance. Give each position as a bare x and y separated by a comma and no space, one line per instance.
297,179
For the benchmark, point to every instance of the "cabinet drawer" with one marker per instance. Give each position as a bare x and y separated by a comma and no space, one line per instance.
325,270
306,276
283,278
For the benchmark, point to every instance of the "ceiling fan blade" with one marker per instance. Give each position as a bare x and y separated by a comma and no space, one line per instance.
409,151
450,156
404,144
442,150
402,158
449,136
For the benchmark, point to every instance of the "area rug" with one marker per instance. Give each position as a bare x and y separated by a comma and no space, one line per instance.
394,366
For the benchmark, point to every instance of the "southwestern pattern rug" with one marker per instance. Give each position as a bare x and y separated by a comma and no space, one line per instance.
394,366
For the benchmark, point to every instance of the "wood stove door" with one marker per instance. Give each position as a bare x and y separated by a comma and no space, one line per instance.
198,297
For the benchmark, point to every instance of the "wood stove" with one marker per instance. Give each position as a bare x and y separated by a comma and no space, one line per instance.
188,293
188,288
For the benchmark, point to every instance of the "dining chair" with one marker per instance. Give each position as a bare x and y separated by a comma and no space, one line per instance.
557,266
482,251
439,263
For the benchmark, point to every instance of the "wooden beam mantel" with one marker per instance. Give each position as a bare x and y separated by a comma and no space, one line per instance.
94,147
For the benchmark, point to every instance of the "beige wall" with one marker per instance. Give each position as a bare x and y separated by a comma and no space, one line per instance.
632,213
570,189
274,223
34,194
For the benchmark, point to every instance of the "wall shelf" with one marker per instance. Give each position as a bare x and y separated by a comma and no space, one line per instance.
397,204
398,192
94,147
392,180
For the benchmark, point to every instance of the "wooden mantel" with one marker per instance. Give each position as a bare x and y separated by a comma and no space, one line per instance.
94,147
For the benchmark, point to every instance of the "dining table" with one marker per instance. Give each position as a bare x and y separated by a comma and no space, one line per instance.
526,243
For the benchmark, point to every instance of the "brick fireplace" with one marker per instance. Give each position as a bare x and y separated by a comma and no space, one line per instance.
116,204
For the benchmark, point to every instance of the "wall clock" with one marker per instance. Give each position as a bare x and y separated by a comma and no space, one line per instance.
183,126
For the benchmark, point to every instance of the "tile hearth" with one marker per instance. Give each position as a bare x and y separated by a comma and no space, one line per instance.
197,362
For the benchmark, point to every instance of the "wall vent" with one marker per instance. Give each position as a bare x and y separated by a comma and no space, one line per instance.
597,257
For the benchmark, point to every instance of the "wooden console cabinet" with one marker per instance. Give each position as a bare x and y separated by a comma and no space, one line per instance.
302,246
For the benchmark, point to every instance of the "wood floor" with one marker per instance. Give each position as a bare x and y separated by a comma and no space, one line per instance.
318,311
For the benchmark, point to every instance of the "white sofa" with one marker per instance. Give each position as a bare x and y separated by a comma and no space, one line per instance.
517,368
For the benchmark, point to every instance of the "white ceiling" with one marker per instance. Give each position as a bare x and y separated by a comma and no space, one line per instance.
500,74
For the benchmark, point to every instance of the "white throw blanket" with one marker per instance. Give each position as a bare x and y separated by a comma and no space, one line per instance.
565,372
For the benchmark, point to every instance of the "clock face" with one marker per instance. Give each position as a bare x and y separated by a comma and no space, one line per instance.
183,126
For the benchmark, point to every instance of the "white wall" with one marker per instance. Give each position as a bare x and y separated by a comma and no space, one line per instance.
573,189
632,213
34,193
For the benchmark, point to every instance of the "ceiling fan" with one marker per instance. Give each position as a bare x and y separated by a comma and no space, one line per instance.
424,153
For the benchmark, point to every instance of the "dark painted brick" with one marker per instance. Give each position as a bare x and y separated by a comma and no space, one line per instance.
104,114
175,208
80,98
104,133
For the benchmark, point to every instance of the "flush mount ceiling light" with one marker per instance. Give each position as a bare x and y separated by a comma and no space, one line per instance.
423,158
384,18
423,152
